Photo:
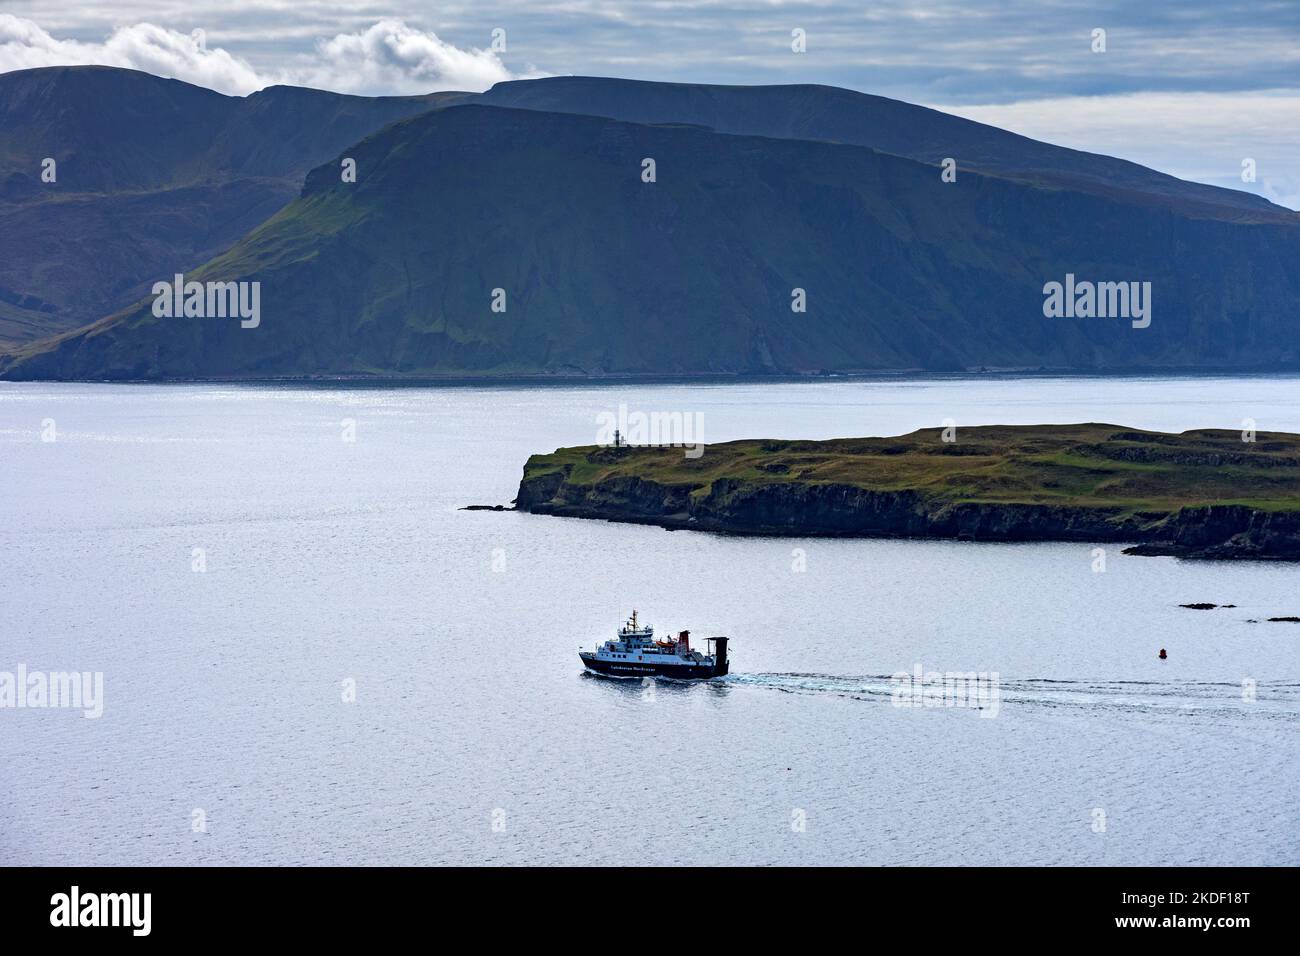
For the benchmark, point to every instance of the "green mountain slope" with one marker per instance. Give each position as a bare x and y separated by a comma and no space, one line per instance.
153,175
830,114
692,274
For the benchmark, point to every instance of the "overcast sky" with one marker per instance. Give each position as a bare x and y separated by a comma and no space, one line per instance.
1191,87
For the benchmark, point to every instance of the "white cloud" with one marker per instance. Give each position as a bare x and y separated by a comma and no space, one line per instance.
23,45
391,57
1198,136
387,57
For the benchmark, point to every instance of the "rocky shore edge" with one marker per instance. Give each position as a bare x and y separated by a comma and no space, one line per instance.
803,509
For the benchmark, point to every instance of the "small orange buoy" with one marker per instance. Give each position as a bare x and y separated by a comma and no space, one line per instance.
1163,655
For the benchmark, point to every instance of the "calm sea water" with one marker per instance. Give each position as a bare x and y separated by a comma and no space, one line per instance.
474,736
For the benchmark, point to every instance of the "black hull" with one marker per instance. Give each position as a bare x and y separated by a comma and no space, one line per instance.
638,669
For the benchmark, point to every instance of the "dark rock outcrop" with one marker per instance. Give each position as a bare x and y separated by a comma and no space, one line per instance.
839,510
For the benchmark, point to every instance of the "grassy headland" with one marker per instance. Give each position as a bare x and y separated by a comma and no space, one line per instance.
1204,493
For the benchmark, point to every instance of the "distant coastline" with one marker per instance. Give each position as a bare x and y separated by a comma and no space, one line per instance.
605,380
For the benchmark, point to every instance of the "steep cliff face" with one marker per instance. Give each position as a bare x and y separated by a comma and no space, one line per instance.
1227,531
647,487
831,510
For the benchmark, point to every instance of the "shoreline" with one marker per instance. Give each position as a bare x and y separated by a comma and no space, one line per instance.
684,523
606,380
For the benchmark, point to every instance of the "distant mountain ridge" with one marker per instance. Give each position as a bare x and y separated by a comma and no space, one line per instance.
535,188
153,175
601,273
837,115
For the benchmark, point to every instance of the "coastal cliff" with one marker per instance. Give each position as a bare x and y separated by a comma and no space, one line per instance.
1200,494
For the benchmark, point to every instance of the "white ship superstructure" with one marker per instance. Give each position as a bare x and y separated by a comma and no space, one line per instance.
634,652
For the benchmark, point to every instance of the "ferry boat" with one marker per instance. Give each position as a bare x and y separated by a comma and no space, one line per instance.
634,652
